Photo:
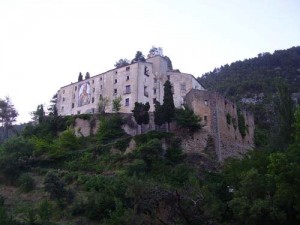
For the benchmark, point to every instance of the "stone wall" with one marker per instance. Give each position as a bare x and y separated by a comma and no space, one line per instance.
214,110
220,120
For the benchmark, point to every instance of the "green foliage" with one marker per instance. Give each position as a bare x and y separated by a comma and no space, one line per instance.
121,63
297,125
168,102
8,114
26,183
150,152
159,118
39,114
252,82
5,219
139,57
56,188
80,77
228,118
45,211
140,113
110,129
241,124
284,108
116,104
68,141
186,119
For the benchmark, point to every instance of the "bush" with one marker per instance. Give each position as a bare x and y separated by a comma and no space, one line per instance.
186,119
26,183
110,129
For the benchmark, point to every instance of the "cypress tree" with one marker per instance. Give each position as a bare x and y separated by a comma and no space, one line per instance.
168,102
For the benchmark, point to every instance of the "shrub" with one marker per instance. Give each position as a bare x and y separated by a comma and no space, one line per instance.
110,129
26,183
45,211
68,141
186,119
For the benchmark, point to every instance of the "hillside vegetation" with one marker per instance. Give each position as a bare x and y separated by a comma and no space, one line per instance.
49,176
253,82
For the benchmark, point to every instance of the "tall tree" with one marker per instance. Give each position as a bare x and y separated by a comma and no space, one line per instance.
284,108
52,108
39,114
140,113
87,75
139,57
8,114
159,114
116,104
80,78
168,103
122,62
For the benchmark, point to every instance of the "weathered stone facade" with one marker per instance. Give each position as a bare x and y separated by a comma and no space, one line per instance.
220,120
137,82
143,82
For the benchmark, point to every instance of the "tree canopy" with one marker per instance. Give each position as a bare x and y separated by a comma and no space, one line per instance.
168,102
8,113
139,57
140,113
122,62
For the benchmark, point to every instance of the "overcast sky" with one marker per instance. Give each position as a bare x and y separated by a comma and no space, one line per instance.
44,44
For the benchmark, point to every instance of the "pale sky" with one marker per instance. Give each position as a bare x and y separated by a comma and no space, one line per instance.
44,44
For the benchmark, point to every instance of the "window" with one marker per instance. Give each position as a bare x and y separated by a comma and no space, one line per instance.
78,112
116,72
101,87
146,71
115,91
155,80
205,102
63,91
116,81
64,99
101,97
182,87
72,105
127,68
154,91
205,118
93,81
127,102
127,89
75,88
146,91
93,99
168,76
100,78
62,108
73,96
127,78
154,100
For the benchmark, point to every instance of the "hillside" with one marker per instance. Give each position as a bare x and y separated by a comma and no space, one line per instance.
252,82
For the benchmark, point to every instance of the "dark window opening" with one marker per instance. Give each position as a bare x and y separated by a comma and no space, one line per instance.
72,105
127,102
115,91
93,99
116,81
127,68
154,100
146,71
154,91
127,78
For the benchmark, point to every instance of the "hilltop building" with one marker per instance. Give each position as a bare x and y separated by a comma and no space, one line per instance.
144,82
137,82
